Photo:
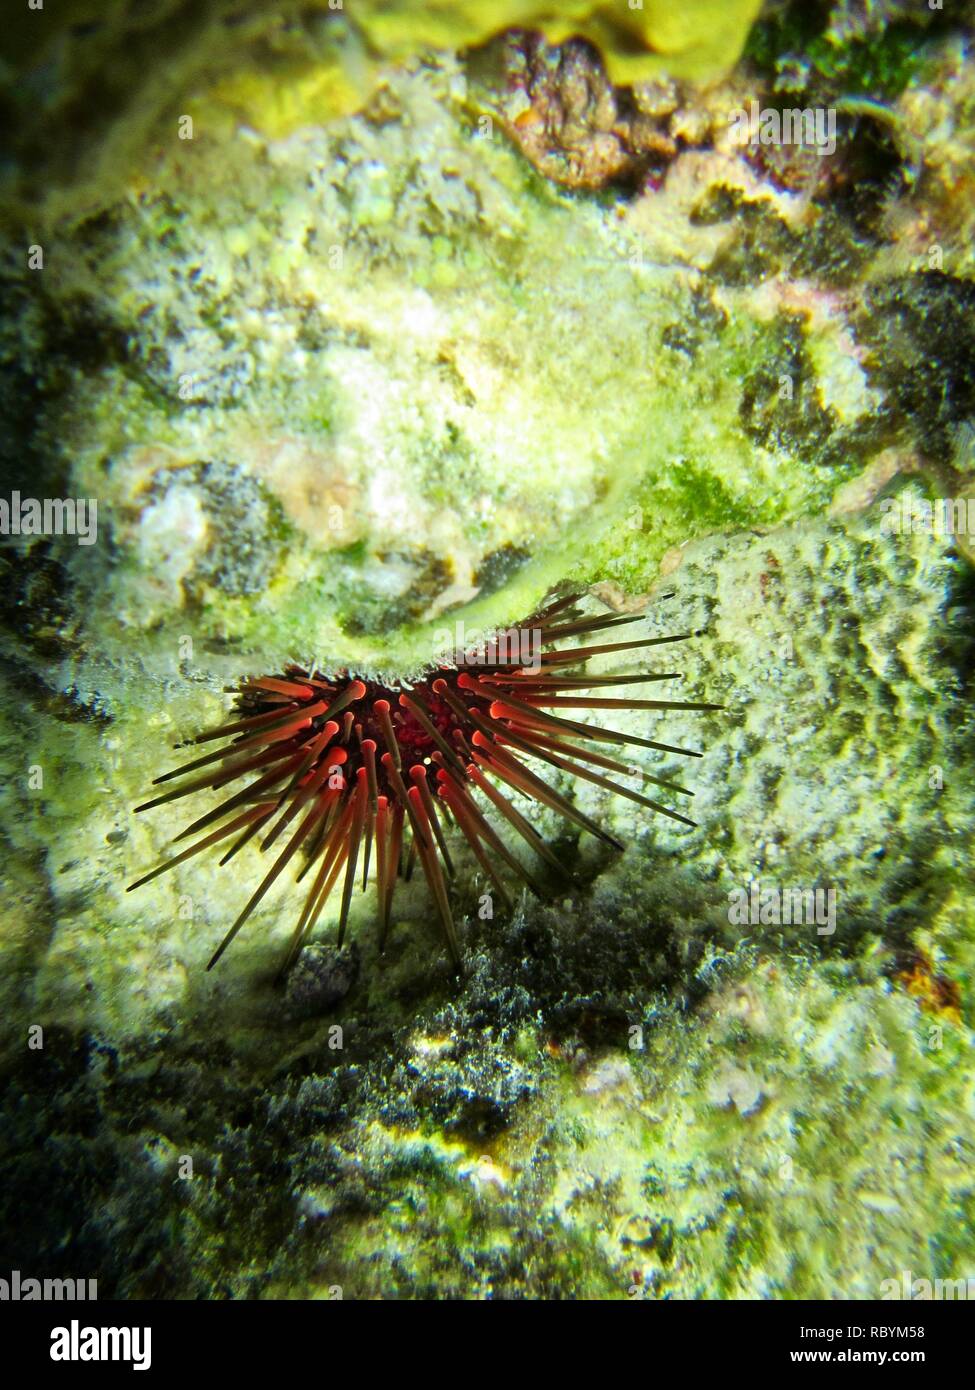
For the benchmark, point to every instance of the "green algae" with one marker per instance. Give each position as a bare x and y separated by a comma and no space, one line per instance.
629,1095
255,312
564,1124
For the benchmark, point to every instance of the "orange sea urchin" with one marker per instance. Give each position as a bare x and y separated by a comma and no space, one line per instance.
354,765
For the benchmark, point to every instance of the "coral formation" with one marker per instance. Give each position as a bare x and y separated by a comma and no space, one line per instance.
566,1112
284,66
394,336
560,109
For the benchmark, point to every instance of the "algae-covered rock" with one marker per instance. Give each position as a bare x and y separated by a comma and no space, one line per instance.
332,376
355,326
285,63
559,1109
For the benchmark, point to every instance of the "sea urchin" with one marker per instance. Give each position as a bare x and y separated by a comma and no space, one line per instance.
351,767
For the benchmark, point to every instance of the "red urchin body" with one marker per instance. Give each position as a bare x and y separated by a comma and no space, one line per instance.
351,768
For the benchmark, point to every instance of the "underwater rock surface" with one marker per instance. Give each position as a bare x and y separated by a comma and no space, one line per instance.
341,377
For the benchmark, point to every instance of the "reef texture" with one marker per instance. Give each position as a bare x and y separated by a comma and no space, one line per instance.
342,371
626,1095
